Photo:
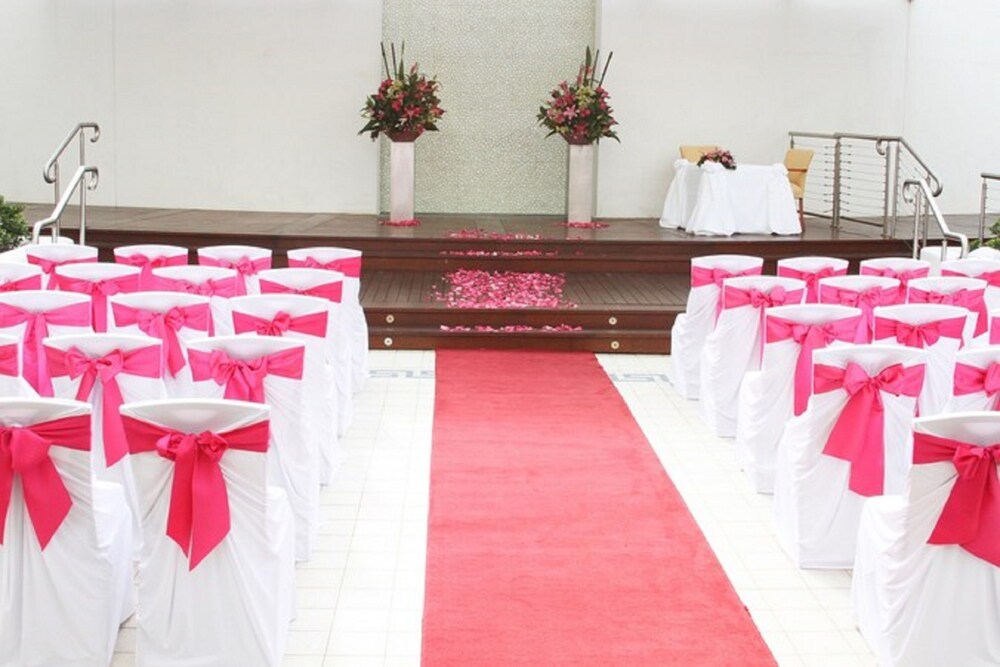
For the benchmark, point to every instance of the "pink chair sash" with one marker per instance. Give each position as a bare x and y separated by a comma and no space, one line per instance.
49,266
147,263
904,278
858,435
349,266
198,518
809,337
244,380
28,282
35,331
24,452
971,515
753,297
313,324
702,276
995,331
972,300
144,362
8,360
972,380
919,335
866,300
165,327
330,291
811,278
244,266
99,291
991,277
224,287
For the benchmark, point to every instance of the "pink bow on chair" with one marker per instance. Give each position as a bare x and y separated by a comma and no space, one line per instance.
99,291
36,330
866,300
904,278
811,278
244,379
26,283
991,277
312,324
330,291
971,515
702,276
972,380
349,266
24,453
165,325
971,300
919,335
778,296
198,518
244,267
148,263
8,360
858,435
48,266
223,288
809,337
144,362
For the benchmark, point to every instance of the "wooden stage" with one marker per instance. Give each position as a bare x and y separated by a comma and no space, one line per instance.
624,284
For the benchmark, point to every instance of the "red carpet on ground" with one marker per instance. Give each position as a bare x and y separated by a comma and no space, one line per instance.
555,536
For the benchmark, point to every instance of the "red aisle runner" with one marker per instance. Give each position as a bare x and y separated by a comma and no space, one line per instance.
555,537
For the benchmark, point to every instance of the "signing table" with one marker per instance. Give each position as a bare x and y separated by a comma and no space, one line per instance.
712,201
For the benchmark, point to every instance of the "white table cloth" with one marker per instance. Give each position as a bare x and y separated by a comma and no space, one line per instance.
713,201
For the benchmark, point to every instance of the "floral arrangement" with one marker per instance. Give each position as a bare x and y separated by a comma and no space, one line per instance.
579,112
723,157
406,104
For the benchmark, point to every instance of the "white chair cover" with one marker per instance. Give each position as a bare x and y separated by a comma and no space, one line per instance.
313,313
327,285
816,513
977,381
233,607
811,270
62,313
769,397
293,457
932,255
984,252
919,604
968,293
149,313
982,268
62,604
98,280
864,292
12,384
348,262
216,283
903,269
248,260
49,256
734,347
948,324
704,302
149,256
15,277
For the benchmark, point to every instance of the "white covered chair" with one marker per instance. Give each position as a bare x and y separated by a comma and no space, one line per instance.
172,317
864,292
12,384
811,270
302,318
248,260
264,369
932,327
215,587
33,315
214,282
984,252
977,381
769,397
734,347
149,256
346,261
15,277
65,562
984,269
98,280
968,293
48,256
328,285
927,572
852,443
704,303
903,269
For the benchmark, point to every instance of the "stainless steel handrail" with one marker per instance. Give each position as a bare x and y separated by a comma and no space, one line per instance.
987,177
92,176
50,171
920,194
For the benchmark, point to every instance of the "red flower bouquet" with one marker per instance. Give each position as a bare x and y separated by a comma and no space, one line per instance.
725,158
579,111
406,104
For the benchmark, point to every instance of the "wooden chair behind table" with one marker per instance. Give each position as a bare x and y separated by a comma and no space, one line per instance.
693,153
797,161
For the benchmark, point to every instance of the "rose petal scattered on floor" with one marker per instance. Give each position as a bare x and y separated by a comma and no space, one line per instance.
470,288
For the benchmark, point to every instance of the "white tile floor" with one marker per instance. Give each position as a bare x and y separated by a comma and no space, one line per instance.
361,595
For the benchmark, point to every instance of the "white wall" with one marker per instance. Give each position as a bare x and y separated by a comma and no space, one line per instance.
238,104
953,94
740,74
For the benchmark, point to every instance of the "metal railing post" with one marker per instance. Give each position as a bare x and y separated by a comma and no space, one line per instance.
885,197
895,188
835,221
982,210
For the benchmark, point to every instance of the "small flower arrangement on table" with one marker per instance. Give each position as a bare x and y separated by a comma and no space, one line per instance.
579,112
723,157
406,104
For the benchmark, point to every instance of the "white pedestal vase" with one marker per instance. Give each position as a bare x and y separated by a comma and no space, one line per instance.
401,169
580,183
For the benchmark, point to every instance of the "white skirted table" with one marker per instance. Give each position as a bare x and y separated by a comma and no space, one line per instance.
713,201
